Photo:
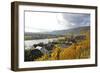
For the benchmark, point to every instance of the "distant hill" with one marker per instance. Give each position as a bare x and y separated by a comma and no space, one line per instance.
39,35
73,30
55,34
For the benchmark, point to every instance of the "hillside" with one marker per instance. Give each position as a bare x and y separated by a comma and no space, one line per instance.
54,34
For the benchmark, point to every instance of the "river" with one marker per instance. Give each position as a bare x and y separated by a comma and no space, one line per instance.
30,43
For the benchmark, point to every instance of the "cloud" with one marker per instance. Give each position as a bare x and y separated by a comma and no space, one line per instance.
47,22
76,19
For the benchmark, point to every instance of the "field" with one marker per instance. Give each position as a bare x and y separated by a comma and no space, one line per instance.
72,46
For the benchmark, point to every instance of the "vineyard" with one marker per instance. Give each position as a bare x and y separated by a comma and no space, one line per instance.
65,48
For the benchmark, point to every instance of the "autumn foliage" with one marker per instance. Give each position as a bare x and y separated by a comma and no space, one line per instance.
77,50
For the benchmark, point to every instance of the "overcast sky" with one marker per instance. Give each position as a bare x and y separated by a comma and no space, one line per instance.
47,22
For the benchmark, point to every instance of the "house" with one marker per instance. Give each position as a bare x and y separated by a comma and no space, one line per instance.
42,49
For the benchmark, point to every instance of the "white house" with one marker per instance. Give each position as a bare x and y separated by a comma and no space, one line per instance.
43,50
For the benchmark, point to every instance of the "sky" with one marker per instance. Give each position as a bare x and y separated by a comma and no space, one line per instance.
48,22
